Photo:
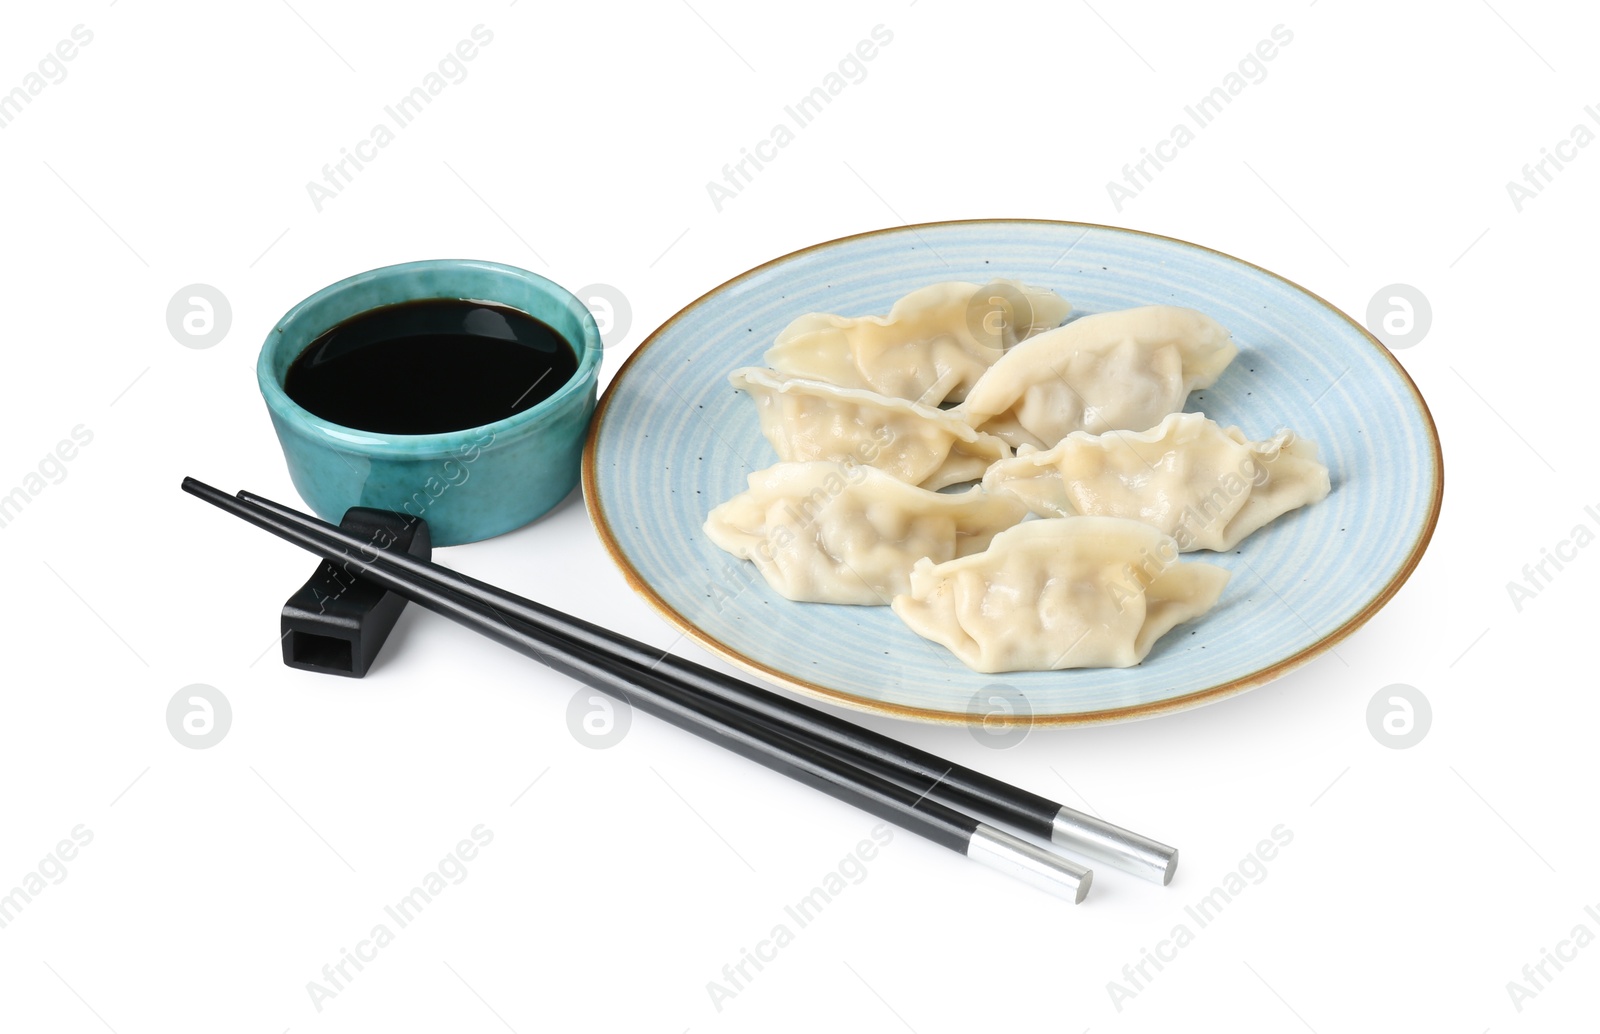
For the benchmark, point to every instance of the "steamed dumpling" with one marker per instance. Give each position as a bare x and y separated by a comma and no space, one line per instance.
920,445
932,346
1207,486
1120,370
1068,592
845,533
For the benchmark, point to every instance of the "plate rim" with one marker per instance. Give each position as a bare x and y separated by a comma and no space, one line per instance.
1271,673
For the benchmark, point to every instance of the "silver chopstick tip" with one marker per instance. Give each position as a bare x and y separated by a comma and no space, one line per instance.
1098,840
1030,863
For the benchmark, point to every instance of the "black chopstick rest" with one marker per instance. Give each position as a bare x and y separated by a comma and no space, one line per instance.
338,621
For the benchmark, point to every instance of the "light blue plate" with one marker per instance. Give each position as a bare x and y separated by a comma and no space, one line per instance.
672,439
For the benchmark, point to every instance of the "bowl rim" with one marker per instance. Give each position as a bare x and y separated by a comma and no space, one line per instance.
608,538
310,425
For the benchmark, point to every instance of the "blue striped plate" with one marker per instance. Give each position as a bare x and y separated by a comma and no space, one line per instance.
671,439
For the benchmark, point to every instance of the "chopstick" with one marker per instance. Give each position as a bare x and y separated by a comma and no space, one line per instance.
881,797
944,781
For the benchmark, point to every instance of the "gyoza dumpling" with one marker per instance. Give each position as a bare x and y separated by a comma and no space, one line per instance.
1120,370
1067,592
1207,486
846,533
932,346
810,420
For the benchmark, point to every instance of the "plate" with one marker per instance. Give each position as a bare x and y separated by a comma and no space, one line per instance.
672,438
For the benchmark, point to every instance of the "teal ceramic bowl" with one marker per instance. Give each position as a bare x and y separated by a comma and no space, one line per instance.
469,484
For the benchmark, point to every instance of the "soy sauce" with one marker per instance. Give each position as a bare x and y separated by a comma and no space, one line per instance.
428,366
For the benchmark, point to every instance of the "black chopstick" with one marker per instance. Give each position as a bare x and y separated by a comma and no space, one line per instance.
841,779
944,781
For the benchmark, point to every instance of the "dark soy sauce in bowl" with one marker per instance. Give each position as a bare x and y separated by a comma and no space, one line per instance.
428,366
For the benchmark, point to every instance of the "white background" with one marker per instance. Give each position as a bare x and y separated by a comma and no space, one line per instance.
220,881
